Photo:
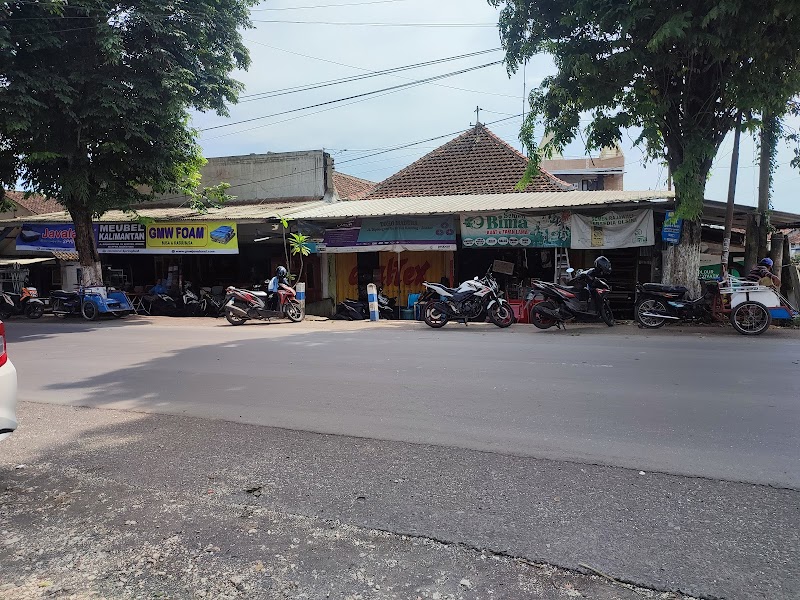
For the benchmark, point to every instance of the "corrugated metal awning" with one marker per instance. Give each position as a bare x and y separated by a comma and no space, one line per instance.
239,213
472,203
24,261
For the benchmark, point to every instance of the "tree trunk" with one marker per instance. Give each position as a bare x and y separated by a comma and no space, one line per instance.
726,239
89,259
751,244
681,262
776,253
766,164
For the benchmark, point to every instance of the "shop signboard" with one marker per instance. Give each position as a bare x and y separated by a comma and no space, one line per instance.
511,229
391,234
196,237
629,229
671,230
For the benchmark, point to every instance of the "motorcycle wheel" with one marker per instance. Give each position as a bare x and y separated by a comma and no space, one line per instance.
234,319
751,318
541,321
650,306
295,312
436,315
34,311
89,311
5,314
607,315
501,315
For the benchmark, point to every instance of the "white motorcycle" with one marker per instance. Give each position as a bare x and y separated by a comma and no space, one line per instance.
466,302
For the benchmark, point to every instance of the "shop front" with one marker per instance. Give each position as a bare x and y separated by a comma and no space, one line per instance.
395,253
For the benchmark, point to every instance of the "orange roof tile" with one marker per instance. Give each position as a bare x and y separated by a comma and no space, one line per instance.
351,188
476,162
36,204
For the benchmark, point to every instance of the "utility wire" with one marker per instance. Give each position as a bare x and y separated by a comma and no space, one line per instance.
333,62
322,84
351,160
372,93
352,24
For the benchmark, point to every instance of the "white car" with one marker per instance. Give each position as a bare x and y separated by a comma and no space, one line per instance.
8,390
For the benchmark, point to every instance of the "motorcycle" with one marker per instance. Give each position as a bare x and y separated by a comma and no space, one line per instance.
358,310
468,301
656,304
583,299
243,305
190,302
161,304
210,305
27,303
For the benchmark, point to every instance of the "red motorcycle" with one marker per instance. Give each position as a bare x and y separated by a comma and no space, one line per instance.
244,305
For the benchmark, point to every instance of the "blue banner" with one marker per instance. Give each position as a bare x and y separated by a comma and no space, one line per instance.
47,237
671,232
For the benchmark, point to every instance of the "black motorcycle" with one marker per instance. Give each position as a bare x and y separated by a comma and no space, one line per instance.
27,303
583,299
210,305
656,304
358,310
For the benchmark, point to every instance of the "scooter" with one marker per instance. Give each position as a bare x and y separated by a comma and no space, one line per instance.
243,305
27,303
584,299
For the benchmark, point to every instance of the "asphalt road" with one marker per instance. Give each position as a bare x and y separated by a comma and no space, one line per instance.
712,404
572,448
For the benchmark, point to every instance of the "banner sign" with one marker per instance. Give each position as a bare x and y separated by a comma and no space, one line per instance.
196,237
671,231
492,230
613,230
391,234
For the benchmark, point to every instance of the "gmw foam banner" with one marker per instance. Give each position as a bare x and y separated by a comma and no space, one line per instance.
197,237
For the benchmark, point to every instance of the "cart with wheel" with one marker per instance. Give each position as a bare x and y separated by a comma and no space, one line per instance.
751,307
97,301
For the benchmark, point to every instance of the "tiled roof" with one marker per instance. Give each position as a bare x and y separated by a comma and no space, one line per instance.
65,255
794,237
351,188
476,162
36,204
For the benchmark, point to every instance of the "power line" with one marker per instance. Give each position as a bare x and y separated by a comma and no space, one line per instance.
372,93
333,62
350,160
352,24
328,5
314,86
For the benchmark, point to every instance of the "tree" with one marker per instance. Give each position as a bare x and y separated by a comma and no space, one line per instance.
678,70
95,98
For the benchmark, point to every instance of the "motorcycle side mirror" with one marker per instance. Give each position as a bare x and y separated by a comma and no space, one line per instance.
475,278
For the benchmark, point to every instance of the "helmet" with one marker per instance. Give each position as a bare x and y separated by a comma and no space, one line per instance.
280,271
766,262
602,264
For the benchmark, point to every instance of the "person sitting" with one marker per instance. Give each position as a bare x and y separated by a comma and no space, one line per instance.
762,271
275,285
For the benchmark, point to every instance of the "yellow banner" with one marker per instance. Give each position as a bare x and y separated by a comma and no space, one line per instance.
196,237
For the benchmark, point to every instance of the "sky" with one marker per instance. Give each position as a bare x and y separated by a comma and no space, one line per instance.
286,55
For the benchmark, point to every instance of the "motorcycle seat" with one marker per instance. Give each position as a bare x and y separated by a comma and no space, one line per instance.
669,289
63,295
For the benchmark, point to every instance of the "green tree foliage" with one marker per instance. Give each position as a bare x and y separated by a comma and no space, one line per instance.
679,70
95,98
